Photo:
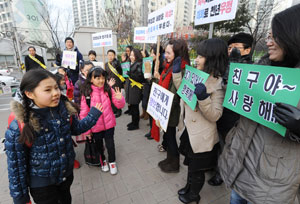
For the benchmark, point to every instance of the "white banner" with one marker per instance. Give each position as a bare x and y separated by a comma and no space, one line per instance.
214,11
69,59
160,104
141,36
161,21
102,39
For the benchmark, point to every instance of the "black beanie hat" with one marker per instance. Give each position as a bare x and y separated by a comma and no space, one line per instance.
69,38
241,38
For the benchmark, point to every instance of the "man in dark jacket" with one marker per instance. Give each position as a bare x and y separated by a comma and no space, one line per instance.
239,49
70,47
113,73
33,61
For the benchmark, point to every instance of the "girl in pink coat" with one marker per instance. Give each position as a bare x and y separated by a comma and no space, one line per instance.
94,90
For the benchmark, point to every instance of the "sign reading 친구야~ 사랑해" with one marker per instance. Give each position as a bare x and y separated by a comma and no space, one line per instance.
253,90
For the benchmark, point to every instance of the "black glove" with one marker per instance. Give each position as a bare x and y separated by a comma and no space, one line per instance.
200,91
288,116
177,65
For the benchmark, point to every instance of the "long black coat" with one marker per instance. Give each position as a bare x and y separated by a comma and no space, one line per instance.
134,94
117,65
31,64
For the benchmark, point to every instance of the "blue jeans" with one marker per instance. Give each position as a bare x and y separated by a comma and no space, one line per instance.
237,199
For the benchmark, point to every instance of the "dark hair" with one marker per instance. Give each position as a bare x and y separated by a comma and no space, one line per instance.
30,81
86,63
92,52
59,77
86,88
65,70
130,47
32,48
138,55
180,48
215,52
146,53
69,38
286,33
154,48
111,51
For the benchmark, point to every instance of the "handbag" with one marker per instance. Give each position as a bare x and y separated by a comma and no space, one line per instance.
92,155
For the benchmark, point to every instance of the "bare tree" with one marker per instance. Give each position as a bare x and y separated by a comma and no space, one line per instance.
121,19
260,15
57,29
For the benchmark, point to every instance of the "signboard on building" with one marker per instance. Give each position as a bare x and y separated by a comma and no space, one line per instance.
214,11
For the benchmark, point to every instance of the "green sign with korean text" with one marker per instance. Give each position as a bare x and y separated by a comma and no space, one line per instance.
253,90
148,61
125,68
186,90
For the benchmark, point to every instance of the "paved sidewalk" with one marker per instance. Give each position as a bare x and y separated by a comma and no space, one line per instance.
138,181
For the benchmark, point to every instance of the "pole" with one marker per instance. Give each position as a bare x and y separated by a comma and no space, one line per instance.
16,38
103,57
211,30
144,47
157,55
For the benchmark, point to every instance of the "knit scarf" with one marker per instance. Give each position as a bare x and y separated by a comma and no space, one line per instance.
164,81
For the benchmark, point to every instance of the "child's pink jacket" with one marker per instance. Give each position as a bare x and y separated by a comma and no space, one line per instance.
107,120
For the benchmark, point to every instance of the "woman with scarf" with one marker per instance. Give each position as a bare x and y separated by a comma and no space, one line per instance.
176,55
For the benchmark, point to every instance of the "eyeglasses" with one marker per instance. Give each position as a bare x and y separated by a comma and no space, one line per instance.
240,48
269,39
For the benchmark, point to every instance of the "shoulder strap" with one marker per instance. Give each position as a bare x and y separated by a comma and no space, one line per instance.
88,101
11,117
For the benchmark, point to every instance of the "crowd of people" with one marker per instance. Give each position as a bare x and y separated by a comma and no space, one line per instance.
258,164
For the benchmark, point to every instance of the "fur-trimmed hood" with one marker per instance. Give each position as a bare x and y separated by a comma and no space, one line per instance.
18,109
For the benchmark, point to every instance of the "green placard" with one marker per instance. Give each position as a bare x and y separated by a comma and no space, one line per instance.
186,90
125,68
252,91
147,59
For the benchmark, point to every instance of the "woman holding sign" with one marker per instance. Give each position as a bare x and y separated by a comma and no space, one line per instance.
176,55
257,163
200,141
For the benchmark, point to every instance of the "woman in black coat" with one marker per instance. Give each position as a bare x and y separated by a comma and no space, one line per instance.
134,87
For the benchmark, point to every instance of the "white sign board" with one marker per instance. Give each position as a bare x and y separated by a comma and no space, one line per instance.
6,89
69,59
160,104
161,21
141,36
214,11
98,64
103,39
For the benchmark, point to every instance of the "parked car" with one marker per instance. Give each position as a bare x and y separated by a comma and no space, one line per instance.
9,81
4,72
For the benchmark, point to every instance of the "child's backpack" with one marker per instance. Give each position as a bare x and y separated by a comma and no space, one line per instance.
12,116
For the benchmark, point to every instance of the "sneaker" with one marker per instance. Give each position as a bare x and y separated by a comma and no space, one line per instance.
104,167
113,168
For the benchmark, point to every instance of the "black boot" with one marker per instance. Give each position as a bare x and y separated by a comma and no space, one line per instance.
216,180
197,181
171,165
186,189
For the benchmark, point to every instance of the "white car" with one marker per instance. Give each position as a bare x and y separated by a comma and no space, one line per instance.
9,81
4,72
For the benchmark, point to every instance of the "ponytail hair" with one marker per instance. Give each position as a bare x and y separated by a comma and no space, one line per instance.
29,82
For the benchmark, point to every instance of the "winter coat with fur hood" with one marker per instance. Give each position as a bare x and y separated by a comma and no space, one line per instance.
50,159
107,119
